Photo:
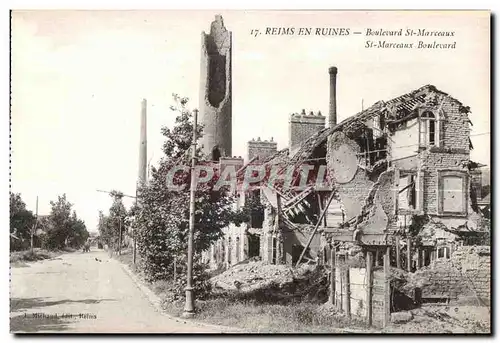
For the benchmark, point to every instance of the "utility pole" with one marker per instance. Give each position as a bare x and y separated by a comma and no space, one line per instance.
189,306
33,230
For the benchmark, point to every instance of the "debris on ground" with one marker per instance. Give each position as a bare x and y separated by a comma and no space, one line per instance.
256,275
401,317
445,319
307,280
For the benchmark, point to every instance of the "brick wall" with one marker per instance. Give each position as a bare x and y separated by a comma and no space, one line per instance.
262,149
476,264
463,277
303,126
431,163
456,128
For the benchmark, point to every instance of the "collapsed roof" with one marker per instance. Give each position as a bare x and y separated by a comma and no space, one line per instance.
395,111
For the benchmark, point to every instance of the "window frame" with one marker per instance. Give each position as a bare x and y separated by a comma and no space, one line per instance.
441,175
408,174
426,116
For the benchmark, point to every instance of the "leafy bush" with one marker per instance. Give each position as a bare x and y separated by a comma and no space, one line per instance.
202,286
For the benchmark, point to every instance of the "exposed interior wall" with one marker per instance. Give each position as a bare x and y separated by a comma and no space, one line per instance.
369,203
404,141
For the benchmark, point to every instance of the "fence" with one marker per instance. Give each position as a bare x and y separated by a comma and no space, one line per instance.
363,291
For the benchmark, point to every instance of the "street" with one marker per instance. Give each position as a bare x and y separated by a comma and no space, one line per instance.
85,292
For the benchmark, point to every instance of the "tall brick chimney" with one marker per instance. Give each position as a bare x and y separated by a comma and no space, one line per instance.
143,148
302,126
332,115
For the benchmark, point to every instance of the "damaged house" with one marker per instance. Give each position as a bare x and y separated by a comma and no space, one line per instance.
396,174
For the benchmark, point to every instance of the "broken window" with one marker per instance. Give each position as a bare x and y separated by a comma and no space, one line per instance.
428,129
378,126
256,209
407,198
216,155
253,245
373,147
443,252
452,192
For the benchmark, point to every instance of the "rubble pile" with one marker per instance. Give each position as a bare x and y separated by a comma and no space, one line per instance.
254,276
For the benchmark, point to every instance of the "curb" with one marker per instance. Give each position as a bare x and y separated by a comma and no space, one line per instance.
156,302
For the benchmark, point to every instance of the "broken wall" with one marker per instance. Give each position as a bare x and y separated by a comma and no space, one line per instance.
456,129
360,190
464,278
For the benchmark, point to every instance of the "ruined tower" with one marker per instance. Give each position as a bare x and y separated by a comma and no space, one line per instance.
215,90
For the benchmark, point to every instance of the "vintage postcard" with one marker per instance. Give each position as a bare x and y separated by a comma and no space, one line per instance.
250,172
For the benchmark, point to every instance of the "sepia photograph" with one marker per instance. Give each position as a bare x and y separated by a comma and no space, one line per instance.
250,172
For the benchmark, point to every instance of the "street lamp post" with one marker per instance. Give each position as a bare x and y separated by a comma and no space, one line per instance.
189,306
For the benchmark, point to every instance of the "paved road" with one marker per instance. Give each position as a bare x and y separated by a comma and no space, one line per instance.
99,296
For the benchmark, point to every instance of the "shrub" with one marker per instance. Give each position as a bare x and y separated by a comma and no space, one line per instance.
201,282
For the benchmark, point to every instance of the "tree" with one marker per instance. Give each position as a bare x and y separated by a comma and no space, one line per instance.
78,232
110,225
163,219
63,228
21,223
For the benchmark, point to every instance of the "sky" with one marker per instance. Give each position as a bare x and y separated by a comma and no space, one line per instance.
78,78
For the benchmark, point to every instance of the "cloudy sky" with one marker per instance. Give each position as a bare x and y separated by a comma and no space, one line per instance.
78,78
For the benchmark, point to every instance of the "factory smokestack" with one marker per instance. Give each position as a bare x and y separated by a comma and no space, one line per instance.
332,115
143,147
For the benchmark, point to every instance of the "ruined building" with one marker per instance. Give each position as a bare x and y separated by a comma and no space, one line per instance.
215,90
397,175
